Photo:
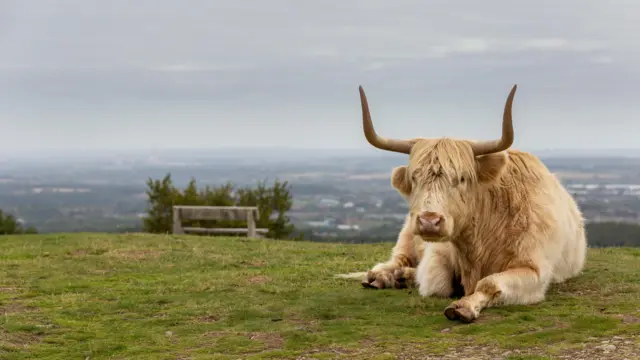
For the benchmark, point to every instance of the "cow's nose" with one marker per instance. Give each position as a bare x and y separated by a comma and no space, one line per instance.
429,222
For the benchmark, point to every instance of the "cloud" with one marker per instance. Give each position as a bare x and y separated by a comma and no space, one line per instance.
185,68
190,67
469,47
282,63
374,66
559,44
602,60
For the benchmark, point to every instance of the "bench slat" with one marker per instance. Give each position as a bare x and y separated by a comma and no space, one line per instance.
223,230
231,213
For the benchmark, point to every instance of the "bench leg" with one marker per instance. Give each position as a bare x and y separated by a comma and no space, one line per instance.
251,225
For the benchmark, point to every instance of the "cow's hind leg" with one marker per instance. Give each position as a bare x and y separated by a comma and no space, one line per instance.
521,286
437,273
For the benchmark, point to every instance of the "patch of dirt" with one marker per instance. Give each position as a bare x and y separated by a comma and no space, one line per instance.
336,351
100,272
141,254
488,318
252,263
78,252
367,342
270,340
216,334
208,318
464,352
628,319
7,290
14,307
85,252
17,340
260,279
615,348
532,329
304,325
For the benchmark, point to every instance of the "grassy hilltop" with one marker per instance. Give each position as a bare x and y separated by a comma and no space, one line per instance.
103,296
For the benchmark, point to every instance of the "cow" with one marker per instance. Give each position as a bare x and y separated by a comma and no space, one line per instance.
487,222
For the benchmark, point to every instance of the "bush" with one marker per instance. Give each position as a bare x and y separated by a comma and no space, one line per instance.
10,226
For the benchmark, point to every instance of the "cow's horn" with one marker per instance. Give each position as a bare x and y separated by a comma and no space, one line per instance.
493,146
401,146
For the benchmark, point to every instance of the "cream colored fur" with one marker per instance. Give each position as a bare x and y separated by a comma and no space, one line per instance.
512,228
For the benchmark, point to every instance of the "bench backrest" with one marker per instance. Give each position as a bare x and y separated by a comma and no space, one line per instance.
225,213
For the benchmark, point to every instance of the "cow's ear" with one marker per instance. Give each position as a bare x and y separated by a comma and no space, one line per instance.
490,167
400,180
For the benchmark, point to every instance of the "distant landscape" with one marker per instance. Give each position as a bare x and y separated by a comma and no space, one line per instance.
340,196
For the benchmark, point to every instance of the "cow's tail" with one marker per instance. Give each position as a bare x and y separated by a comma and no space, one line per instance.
353,275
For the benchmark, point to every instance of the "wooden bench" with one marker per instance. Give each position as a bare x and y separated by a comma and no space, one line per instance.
224,213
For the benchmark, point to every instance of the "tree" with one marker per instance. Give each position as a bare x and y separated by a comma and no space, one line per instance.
161,196
273,203
9,225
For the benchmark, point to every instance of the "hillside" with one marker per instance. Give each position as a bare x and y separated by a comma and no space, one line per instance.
99,296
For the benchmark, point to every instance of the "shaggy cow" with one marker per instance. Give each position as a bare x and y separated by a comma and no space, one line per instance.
493,220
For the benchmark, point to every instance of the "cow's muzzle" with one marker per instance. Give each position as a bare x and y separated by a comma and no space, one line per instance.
429,224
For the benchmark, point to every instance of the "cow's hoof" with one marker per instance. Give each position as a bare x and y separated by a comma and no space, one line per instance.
400,282
378,279
400,285
376,284
460,311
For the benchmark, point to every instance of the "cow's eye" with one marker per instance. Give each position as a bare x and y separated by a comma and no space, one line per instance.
462,180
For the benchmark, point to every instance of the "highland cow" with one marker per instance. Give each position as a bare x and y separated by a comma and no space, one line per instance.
491,219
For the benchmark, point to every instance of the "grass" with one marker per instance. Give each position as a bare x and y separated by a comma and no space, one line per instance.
103,296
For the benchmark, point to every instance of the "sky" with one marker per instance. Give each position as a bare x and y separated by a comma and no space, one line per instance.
81,75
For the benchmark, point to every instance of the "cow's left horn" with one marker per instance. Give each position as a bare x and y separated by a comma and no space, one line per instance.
401,146
493,146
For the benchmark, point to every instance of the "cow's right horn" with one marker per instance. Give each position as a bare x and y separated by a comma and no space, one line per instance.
401,146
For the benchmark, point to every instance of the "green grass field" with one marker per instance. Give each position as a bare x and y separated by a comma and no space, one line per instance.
102,296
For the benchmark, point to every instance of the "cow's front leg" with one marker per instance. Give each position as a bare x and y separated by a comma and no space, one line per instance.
436,273
521,286
399,271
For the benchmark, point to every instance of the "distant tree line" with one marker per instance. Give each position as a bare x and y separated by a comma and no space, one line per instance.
613,234
9,225
273,203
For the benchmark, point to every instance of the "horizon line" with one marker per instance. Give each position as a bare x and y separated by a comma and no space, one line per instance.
262,151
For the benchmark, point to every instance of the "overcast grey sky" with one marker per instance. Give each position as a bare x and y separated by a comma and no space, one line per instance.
86,74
